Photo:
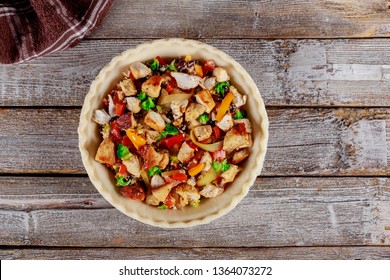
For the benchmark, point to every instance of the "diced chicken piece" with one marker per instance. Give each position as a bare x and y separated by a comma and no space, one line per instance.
157,181
204,97
188,192
150,157
178,122
220,74
165,159
151,136
240,156
152,200
185,81
162,192
133,104
185,153
120,95
247,142
152,86
239,99
191,181
229,175
207,160
101,117
180,201
208,83
127,73
106,152
111,106
236,139
194,111
194,123
246,122
226,123
133,166
203,132
135,191
178,108
139,70
211,190
155,121
128,87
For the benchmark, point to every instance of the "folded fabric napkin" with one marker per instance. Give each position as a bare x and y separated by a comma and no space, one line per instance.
33,28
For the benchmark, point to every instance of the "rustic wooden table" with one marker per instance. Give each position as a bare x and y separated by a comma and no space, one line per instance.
323,68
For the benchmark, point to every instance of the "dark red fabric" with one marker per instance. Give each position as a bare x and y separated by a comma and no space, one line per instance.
32,28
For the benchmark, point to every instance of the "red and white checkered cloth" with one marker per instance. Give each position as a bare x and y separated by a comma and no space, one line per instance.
32,28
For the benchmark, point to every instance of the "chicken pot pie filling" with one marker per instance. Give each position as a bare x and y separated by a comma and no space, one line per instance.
174,132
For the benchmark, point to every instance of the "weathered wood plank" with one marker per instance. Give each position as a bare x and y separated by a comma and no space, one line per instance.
287,72
293,253
295,211
30,193
246,19
302,141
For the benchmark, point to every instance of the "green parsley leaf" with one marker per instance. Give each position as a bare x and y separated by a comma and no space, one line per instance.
220,166
122,182
172,66
154,170
162,207
204,118
168,130
123,152
238,115
155,65
148,104
221,88
142,96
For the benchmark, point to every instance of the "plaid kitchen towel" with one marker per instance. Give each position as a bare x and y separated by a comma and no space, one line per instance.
33,28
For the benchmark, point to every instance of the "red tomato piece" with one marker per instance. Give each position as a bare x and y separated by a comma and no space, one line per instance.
119,109
169,88
126,141
179,177
169,201
122,169
217,132
169,142
161,61
191,144
115,132
208,66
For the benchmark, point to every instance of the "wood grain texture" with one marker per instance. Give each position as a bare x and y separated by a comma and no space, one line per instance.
291,253
246,19
302,142
287,72
276,212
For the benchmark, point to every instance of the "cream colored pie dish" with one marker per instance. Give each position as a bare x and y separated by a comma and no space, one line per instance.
173,133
